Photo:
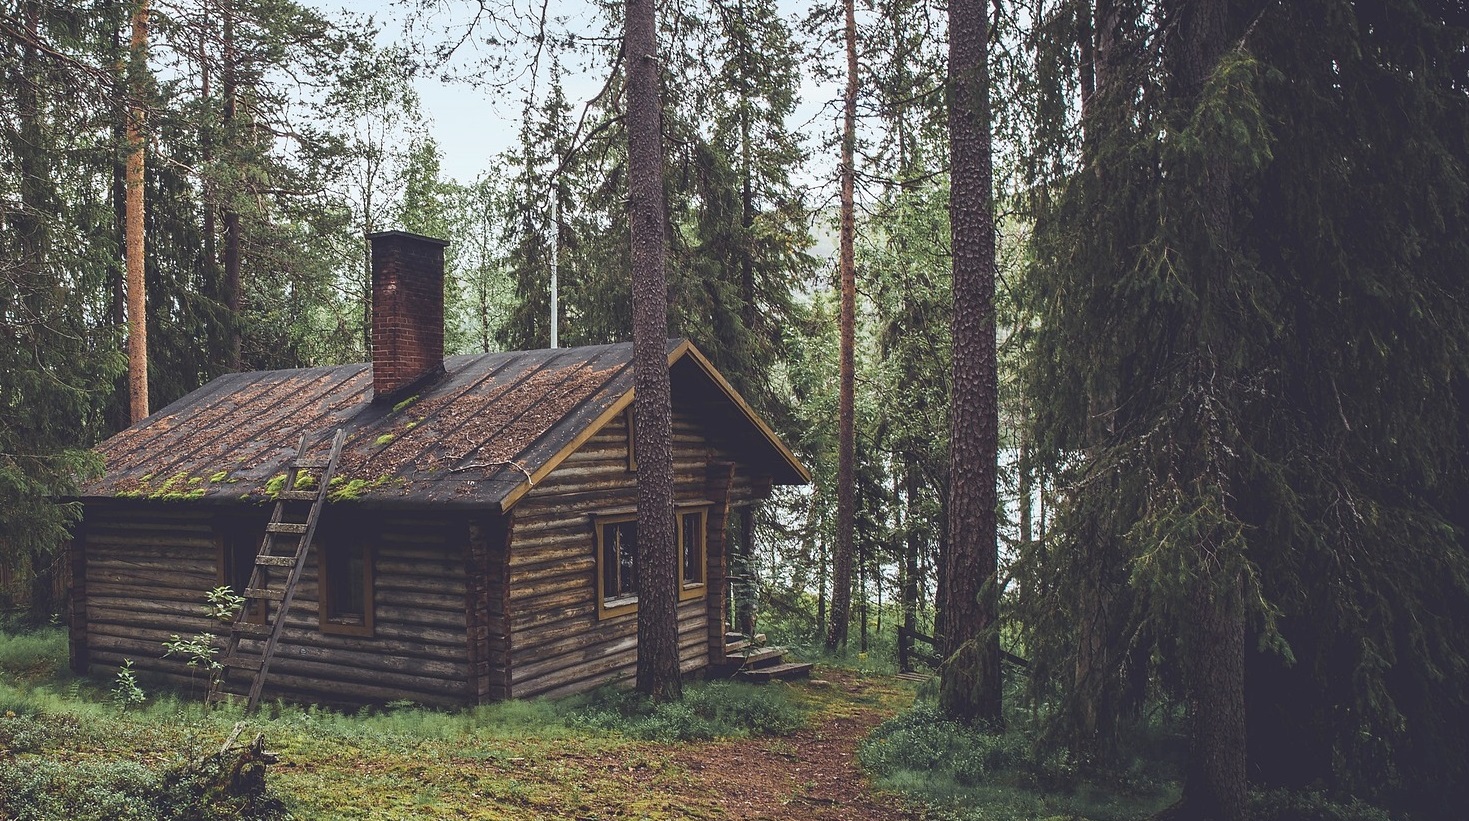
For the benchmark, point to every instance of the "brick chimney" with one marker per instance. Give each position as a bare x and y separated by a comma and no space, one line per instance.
407,312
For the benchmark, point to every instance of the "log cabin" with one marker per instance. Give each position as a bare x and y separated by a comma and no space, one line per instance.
479,541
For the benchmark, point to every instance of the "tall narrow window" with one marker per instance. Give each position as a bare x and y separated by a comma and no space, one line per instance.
691,550
632,453
346,587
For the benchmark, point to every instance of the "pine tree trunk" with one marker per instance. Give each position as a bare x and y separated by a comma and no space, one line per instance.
862,596
969,688
137,300
823,581
912,545
658,673
747,224
207,187
31,230
1096,682
841,585
119,413
745,602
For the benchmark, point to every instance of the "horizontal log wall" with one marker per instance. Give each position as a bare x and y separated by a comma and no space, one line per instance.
147,571
557,644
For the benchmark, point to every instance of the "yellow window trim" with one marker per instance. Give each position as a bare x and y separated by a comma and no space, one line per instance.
686,591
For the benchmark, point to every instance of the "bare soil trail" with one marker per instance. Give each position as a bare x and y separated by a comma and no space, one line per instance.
811,775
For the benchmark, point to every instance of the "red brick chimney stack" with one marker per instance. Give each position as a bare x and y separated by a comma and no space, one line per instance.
407,312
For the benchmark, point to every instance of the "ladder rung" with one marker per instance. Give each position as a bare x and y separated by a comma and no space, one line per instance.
299,465
269,595
297,495
242,663
251,629
285,527
275,561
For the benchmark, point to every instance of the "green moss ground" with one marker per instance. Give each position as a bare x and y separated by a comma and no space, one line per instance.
579,758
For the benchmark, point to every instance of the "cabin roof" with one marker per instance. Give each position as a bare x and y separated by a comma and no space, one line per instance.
480,436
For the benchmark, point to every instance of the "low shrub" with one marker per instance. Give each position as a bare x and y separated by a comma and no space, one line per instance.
39,789
922,740
214,788
30,733
965,774
719,709
1292,805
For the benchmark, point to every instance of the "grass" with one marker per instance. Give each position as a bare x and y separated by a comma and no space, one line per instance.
66,750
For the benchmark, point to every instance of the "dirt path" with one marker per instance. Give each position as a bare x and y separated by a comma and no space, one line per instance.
813,775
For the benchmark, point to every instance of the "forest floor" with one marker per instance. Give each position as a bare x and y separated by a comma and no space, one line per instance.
64,743
811,775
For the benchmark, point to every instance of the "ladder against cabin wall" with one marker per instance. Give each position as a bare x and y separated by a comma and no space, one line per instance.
278,565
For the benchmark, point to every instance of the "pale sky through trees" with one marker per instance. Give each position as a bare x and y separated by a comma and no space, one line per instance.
472,125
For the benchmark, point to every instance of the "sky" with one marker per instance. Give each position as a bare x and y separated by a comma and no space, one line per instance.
470,124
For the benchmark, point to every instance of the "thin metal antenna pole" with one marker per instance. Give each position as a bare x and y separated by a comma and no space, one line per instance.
555,239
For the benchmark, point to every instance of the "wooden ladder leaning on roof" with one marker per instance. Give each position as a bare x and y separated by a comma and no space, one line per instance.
266,583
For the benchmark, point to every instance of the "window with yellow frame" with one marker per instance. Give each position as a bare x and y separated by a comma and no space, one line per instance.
617,559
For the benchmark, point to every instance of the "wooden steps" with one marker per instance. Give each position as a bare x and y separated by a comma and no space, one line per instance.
748,660
783,672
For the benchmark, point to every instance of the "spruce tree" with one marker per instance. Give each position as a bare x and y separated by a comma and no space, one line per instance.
1279,424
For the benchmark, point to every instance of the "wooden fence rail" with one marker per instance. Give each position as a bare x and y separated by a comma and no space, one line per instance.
908,652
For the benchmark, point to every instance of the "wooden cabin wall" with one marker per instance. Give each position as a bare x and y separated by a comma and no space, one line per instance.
557,644
147,569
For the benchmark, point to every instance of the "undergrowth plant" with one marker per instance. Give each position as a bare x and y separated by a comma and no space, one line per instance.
719,709
223,604
125,690
965,774
200,651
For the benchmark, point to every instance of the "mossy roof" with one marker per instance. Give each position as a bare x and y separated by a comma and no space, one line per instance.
478,437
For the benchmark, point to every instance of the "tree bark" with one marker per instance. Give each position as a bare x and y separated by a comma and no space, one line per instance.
137,299
745,601
912,544
841,585
969,688
657,673
210,191
32,230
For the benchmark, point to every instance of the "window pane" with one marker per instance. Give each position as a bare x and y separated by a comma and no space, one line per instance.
693,548
619,559
345,577
241,545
